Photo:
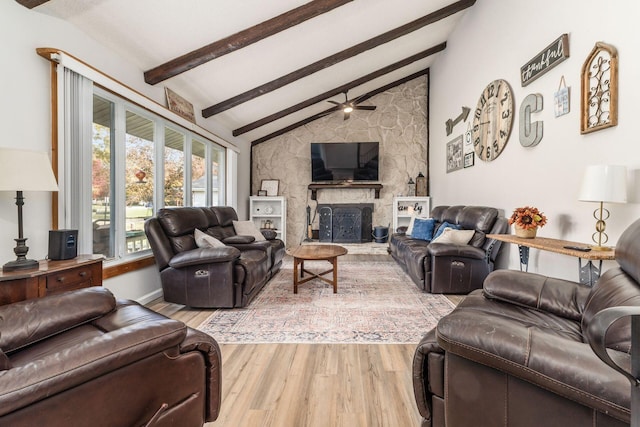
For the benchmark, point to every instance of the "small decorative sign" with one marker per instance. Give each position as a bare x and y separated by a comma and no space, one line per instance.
179,105
561,99
468,149
551,56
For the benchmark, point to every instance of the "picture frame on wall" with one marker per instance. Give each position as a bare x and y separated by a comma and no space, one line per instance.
270,186
468,160
454,155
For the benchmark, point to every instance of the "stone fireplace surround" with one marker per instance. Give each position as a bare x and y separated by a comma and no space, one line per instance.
399,123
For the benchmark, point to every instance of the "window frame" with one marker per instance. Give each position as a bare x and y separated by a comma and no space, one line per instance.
121,106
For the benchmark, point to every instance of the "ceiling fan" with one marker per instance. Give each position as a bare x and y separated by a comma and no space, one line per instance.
349,105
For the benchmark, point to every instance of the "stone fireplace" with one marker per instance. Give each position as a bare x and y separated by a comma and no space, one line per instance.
345,222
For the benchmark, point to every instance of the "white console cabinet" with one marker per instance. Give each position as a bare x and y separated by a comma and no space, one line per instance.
269,212
405,207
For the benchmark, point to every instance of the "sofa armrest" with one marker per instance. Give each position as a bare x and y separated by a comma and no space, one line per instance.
562,365
199,341
449,249
428,373
64,363
238,239
29,321
596,335
204,256
557,296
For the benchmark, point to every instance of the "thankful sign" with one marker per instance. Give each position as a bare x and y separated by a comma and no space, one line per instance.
551,56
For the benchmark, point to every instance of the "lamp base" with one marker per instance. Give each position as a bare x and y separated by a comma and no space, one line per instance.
21,264
600,248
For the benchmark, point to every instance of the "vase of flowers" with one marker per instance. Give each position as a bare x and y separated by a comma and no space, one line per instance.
526,221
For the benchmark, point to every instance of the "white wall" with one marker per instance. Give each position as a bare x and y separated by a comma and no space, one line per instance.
493,40
25,120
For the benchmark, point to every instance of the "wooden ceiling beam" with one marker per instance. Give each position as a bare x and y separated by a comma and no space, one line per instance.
338,57
239,40
30,4
325,112
340,89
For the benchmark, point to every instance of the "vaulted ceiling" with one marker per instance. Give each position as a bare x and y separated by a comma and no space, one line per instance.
259,68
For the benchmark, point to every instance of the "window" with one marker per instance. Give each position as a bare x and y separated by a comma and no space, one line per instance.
128,165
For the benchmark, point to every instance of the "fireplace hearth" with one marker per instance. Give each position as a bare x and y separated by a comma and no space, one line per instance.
346,222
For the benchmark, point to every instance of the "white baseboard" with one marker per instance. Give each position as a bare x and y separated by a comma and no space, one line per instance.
145,299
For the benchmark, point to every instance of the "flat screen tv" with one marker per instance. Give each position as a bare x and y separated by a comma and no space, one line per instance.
344,161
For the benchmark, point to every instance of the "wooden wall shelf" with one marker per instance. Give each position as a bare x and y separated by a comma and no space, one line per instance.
315,187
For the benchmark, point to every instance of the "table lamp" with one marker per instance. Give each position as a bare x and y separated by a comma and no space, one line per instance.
24,170
603,183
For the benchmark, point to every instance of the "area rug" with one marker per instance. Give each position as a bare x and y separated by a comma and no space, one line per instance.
376,303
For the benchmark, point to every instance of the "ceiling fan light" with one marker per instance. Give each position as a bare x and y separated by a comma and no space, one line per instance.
347,109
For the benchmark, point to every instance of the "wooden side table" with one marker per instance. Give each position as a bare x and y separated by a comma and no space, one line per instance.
587,273
50,278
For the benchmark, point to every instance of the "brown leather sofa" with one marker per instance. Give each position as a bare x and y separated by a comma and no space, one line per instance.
82,358
449,268
517,353
221,277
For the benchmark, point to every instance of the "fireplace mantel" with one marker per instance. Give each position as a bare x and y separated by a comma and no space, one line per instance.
315,187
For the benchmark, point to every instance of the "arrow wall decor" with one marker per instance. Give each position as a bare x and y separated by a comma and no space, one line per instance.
462,117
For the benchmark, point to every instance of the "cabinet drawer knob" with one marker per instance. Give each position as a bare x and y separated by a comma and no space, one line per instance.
83,273
60,279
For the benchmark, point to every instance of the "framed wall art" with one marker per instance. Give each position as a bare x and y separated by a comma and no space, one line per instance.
179,105
454,155
270,186
599,98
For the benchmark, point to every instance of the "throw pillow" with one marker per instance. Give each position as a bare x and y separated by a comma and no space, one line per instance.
248,228
412,223
442,227
204,240
457,237
423,228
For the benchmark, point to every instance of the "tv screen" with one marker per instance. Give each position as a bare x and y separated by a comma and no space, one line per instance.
344,161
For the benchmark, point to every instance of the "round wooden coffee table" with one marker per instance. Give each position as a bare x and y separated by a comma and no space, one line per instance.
316,253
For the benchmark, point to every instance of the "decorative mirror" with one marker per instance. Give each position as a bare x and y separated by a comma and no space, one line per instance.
599,89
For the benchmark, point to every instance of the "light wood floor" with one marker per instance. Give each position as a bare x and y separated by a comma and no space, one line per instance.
295,385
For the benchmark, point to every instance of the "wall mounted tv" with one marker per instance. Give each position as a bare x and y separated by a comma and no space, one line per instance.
344,161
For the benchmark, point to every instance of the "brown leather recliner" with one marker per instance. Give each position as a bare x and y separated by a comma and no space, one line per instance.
82,358
449,268
517,353
221,277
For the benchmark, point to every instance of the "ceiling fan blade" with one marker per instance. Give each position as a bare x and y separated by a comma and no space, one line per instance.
365,107
334,102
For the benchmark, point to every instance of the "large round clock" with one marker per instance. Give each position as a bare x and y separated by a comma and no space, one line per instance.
492,120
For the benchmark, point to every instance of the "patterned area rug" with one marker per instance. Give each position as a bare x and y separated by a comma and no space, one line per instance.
376,303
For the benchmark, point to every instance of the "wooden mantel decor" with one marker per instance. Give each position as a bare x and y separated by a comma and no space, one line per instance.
315,187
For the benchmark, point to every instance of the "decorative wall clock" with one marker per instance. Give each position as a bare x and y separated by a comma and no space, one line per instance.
492,120
599,89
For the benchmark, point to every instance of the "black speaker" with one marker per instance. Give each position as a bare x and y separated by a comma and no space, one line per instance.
63,244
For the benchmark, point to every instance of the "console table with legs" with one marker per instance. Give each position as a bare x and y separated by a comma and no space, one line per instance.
588,273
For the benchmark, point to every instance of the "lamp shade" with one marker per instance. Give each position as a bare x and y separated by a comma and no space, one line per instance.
604,183
25,170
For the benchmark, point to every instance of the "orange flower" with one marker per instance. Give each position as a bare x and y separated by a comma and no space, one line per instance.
528,217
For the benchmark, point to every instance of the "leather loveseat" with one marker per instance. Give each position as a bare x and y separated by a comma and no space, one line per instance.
210,277
517,353
83,358
450,268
